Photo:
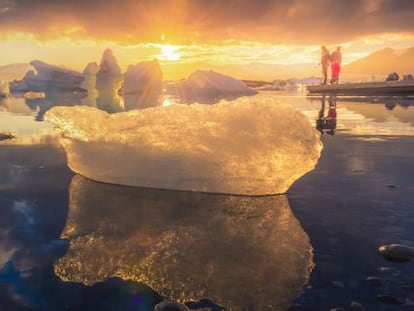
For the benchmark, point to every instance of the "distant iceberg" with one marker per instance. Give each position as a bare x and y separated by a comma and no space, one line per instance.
142,85
4,89
48,78
236,251
240,147
208,87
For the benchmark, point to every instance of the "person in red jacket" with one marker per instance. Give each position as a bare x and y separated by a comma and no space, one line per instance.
336,60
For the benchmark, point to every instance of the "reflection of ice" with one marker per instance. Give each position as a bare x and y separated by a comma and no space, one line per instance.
240,147
51,99
237,251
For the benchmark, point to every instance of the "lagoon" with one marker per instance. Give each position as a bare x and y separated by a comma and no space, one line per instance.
69,243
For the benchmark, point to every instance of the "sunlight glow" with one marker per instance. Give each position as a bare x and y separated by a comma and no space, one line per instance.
169,52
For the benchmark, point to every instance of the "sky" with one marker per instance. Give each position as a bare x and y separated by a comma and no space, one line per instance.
188,33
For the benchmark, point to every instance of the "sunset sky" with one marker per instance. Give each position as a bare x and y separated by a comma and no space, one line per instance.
190,32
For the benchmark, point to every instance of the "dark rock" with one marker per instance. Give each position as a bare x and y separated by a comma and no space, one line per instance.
356,306
388,299
397,252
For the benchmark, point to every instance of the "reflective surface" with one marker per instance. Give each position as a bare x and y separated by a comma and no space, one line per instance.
62,233
237,251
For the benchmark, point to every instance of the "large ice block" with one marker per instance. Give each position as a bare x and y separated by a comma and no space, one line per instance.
240,147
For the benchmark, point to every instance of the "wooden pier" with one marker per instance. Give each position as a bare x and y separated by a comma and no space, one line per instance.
401,88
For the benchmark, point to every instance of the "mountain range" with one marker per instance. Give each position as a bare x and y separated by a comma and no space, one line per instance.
383,62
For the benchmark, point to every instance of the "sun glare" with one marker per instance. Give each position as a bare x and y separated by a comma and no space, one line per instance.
169,52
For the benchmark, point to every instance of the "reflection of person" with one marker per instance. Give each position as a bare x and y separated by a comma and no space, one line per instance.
327,124
336,60
325,59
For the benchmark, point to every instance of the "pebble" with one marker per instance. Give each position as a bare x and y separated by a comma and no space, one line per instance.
392,186
356,306
397,252
388,299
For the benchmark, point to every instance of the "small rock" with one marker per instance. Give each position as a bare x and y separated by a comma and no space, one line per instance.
392,186
337,309
388,299
397,252
356,306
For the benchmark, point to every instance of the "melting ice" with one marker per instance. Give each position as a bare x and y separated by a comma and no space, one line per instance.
239,147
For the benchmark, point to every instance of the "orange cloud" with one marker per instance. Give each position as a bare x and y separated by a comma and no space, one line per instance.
200,21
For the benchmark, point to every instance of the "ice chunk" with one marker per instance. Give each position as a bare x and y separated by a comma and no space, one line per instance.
240,147
142,85
237,251
50,78
4,89
89,84
108,83
208,87
109,65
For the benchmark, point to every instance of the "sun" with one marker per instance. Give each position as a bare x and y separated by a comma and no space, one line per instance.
169,52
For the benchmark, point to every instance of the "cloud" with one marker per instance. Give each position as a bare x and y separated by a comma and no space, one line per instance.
195,21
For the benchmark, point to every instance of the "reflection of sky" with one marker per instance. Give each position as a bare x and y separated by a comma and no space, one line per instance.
361,118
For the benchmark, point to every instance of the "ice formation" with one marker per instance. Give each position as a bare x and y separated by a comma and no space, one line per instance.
142,85
89,84
4,89
239,147
208,87
240,252
109,65
108,83
49,78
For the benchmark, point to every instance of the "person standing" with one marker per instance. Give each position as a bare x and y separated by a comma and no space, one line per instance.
325,59
336,60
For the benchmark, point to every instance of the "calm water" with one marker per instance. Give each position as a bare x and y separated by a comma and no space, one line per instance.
68,243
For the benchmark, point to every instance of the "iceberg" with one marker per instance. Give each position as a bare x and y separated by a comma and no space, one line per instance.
4,89
143,85
240,252
108,83
49,78
208,87
240,147
89,84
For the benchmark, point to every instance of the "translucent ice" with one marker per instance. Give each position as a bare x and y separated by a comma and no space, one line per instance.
239,147
142,85
244,253
208,87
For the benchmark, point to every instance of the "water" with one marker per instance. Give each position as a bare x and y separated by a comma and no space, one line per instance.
68,243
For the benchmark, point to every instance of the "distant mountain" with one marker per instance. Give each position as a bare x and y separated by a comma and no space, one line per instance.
14,71
383,62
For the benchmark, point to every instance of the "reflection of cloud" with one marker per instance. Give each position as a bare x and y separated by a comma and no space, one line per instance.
237,251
